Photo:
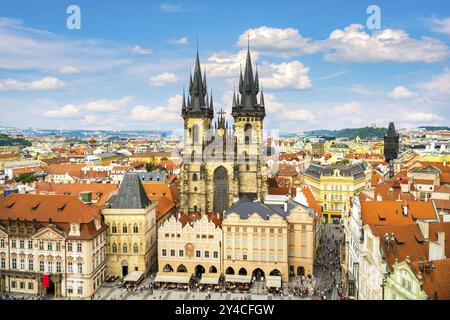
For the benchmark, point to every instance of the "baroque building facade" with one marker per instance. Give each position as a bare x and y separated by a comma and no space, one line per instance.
222,163
52,245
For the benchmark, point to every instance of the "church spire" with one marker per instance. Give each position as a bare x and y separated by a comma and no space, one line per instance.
211,102
256,80
249,91
198,101
184,101
261,99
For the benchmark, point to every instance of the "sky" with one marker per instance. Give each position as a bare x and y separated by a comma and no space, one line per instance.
321,64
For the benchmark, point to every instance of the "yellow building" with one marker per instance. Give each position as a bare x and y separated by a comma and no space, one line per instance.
190,246
334,185
268,241
132,236
153,157
107,158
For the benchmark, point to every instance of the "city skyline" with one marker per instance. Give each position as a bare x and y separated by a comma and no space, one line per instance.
125,74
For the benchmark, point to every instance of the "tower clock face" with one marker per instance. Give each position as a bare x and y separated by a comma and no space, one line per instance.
221,132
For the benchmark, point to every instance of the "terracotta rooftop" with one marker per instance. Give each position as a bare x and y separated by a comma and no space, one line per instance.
100,191
391,212
59,208
408,242
436,283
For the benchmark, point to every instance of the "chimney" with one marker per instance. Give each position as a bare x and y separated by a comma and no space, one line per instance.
437,248
424,228
405,210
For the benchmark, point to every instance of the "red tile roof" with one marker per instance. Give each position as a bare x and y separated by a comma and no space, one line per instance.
436,283
390,212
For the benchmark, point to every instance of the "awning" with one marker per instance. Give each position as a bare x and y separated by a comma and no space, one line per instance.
273,281
238,278
176,278
210,279
133,277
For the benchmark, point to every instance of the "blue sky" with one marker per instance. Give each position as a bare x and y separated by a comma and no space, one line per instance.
321,67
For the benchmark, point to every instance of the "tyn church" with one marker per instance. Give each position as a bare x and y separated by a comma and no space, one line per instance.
222,163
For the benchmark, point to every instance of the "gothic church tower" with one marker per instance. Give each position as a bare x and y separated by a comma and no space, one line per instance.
221,163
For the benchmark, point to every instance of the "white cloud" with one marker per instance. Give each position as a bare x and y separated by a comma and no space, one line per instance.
351,108
174,103
46,83
440,25
163,79
388,45
281,42
350,44
300,114
140,50
401,93
286,75
69,70
65,112
225,64
157,114
438,87
160,115
170,7
22,47
105,105
182,41
424,117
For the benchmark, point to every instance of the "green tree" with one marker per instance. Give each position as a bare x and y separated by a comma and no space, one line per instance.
25,178
149,167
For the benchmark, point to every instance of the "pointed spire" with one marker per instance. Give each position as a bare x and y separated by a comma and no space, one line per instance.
261,99
241,80
249,90
234,96
256,80
204,81
211,101
190,81
184,100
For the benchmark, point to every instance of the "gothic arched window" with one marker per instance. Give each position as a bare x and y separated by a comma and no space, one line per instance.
114,248
248,133
135,228
135,248
196,135
113,229
194,177
125,248
124,228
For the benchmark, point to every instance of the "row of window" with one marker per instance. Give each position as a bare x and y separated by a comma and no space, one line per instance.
49,245
255,230
124,228
256,242
337,187
198,253
22,265
203,236
256,256
333,197
115,248
333,206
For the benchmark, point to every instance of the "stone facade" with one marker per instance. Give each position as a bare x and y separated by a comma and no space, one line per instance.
222,163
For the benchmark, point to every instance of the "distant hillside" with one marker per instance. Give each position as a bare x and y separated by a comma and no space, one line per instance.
429,128
363,133
6,140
